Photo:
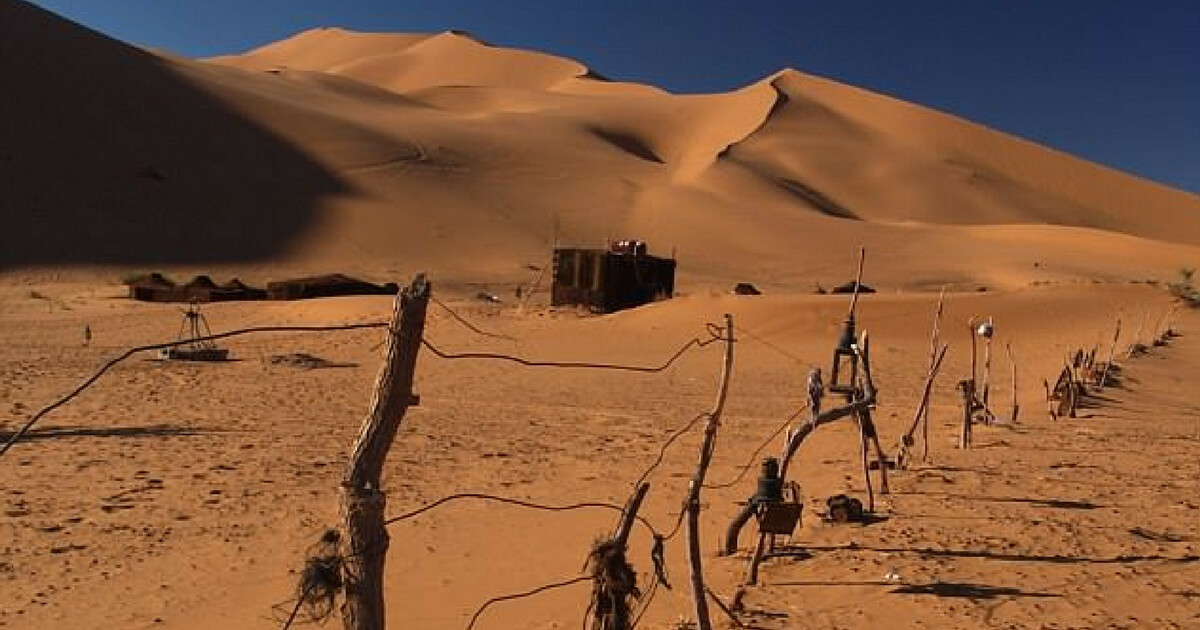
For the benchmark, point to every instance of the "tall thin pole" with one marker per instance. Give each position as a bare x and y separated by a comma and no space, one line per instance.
934,340
692,505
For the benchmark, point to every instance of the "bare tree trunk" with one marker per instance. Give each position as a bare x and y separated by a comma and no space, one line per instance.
363,501
692,505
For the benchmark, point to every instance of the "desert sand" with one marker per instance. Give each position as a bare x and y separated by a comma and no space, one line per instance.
184,496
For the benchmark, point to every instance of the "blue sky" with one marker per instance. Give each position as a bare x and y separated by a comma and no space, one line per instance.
1113,81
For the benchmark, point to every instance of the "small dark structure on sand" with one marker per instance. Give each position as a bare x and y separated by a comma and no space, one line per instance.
155,287
622,276
330,285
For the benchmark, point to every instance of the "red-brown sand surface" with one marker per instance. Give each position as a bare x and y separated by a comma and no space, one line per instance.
184,496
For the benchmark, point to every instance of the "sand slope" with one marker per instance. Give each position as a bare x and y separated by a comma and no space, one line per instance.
330,147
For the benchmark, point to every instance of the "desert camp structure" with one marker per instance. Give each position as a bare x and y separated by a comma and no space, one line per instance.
157,288
607,280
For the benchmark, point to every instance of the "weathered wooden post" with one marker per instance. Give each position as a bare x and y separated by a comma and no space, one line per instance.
1102,380
907,440
1016,407
934,340
614,585
967,387
1137,344
363,500
692,503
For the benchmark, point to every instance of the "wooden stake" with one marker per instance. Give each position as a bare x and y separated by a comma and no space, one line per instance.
1049,400
1137,337
692,504
1016,408
615,619
934,340
1112,351
967,388
907,441
630,514
363,499
987,369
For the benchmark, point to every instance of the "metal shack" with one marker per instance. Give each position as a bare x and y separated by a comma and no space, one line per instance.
623,276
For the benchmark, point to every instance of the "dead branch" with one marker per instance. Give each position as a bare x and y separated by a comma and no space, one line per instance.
614,582
692,503
1102,380
934,340
908,441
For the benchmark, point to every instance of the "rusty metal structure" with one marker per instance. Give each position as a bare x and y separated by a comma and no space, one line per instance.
607,280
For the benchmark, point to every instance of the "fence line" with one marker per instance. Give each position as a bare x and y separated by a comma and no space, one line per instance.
694,342
462,320
517,502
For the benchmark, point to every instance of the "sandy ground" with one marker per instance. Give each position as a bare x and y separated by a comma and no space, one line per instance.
184,496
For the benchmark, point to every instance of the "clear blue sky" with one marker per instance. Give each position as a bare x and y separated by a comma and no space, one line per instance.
1113,81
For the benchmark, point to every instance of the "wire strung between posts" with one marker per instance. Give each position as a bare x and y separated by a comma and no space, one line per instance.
750,463
171,344
662,451
540,589
342,327
695,342
516,502
773,346
460,319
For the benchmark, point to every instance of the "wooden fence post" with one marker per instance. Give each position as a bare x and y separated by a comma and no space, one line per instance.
907,440
609,609
967,387
363,499
934,341
1016,407
692,504
1112,351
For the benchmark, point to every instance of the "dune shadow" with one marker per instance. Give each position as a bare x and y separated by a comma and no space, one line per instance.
113,155
967,590
816,198
628,143
153,430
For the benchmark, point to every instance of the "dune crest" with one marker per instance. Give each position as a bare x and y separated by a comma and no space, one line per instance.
458,145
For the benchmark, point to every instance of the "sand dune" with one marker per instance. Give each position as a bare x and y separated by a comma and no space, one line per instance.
332,146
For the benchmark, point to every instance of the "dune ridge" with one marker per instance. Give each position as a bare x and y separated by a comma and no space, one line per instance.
452,145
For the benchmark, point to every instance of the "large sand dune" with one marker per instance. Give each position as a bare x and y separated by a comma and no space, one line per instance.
381,152
183,496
